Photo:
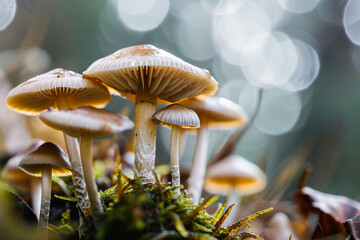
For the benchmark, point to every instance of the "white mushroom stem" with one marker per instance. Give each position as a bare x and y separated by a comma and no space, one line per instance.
182,141
86,158
198,168
82,197
233,197
175,168
45,198
36,195
145,136
73,150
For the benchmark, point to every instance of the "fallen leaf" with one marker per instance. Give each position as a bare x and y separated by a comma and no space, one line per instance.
333,210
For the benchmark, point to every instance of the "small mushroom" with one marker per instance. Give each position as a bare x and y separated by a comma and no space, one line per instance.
176,116
47,160
234,176
16,178
213,112
87,123
61,89
146,74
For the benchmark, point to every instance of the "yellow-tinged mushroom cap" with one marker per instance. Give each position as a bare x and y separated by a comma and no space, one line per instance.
133,69
47,155
217,111
38,94
234,174
86,121
177,115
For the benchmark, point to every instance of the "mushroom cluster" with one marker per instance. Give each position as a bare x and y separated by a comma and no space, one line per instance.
69,102
148,75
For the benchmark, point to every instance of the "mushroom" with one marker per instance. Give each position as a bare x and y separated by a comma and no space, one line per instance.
234,176
16,178
58,88
212,112
87,123
61,89
47,160
145,74
176,116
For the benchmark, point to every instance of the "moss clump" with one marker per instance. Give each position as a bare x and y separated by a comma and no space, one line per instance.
156,211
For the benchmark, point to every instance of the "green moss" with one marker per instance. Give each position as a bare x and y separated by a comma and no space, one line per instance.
156,211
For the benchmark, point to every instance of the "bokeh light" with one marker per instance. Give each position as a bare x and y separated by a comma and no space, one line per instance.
147,17
240,36
296,6
5,58
225,71
192,32
278,112
7,12
274,11
222,7
176,7
352,20
276,63
37,60
242,93
111,32
307,69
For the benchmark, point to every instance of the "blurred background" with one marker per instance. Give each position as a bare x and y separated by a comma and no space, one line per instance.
303,54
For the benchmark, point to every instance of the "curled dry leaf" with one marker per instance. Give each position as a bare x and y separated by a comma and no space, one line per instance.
353,227
332,210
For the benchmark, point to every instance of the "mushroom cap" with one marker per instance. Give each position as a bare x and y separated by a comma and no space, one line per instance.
47,155
11,172
234,174
217,111
177,115
133,69
38,93
86,121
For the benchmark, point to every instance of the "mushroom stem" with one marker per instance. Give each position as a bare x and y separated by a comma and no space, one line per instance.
182,141
145,136
82,197
86,158
36,195
232,198
73,150
45,199
175,169
198,168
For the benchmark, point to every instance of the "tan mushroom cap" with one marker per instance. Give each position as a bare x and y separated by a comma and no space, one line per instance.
47,155
177,115
38,94
133,69
217,111
86,121
234,174
11,172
